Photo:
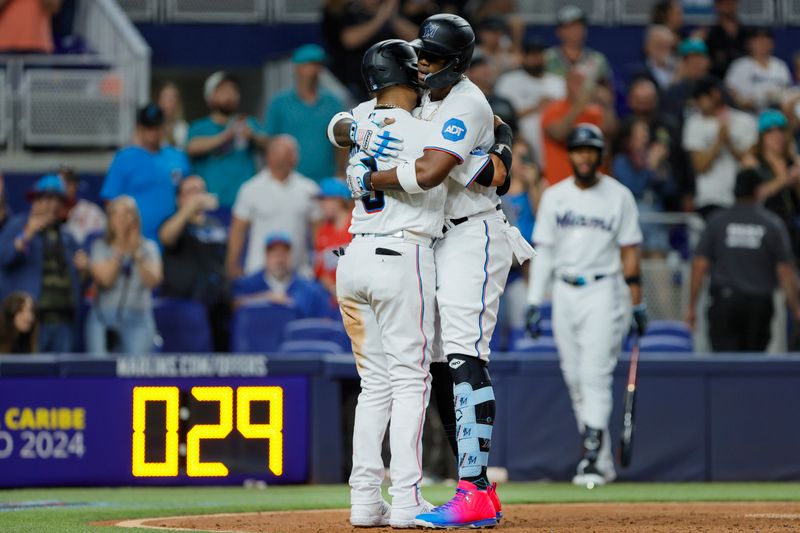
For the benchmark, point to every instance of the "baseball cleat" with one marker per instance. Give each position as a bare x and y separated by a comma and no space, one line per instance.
405,518
588,475
469,508
498,507
370,514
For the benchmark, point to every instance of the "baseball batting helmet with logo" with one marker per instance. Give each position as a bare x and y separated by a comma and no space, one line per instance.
449,37
586,135
390,62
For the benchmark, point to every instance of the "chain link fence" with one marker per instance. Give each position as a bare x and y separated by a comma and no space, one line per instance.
140,10
231,11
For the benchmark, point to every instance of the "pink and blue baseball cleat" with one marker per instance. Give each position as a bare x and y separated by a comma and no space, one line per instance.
469,508
498,507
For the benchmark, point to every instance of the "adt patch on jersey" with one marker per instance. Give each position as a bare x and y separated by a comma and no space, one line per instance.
454,130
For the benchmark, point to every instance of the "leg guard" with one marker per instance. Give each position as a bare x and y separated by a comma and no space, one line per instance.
475,412
442,388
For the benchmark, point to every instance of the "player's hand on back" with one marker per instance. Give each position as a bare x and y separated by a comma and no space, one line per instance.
360,166
640,319
533,322
374,137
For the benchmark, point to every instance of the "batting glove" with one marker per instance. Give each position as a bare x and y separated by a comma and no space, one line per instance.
372,137
640,319
359,174
533,322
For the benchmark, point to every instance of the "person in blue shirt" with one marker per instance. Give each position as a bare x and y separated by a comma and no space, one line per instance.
223,145
278,283
147,171
304,112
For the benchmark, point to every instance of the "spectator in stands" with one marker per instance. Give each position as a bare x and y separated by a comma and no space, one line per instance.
417,11
38,256
746,250
791,99
495,44
573,52
84,218
529,89
279,283
717,138
304,112
660,64
147,171
584,102
775,156
26,26
194,256
336,210
527,185
176,129
483,74
18,327
727,39
349,27
126,267
276,199
223,145
694,65
5,212
668,13
758,80
641,164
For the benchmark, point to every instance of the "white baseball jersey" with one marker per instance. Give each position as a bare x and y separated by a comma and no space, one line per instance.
586,227
463,124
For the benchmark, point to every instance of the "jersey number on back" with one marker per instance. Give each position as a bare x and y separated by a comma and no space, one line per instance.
373,203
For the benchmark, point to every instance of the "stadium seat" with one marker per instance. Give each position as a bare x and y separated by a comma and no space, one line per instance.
669,328
258,328
183,326
310,347
665,344
318,329
540,345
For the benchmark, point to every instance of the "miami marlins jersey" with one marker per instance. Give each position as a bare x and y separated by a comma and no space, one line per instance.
586,227
463,124
387,212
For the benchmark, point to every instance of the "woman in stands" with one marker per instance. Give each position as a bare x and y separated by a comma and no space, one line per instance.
175,126
18,327
125,267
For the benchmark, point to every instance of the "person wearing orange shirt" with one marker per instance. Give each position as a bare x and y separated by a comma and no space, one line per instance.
25,25
585,102
336,206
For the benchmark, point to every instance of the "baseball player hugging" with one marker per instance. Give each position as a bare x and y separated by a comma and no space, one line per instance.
474,255
587,237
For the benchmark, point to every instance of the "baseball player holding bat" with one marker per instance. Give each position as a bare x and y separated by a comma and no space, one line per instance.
587,237
474,256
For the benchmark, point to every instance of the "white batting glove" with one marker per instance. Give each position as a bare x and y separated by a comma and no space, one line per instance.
359,170
373,137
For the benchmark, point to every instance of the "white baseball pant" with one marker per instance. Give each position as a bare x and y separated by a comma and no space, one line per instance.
387,304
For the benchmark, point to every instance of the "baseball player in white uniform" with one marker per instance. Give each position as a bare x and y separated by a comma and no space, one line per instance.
587,237
474,256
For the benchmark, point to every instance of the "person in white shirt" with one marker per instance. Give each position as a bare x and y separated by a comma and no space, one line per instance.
529,89
587,237
717,137
758,80
276,199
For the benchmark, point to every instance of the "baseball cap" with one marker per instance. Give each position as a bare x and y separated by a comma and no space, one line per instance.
569,14
215,80
771,118
692,46
747,181
308,53
334,188
760,31
705,85
50,184
533,44
150,116
278,237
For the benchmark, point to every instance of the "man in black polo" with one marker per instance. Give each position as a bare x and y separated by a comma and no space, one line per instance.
747,250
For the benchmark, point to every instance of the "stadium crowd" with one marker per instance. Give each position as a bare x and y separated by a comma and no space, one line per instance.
233,209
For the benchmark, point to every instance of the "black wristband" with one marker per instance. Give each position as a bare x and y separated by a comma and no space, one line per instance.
503,134
367,181
634,280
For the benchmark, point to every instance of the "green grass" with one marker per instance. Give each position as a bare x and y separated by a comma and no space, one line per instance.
110,504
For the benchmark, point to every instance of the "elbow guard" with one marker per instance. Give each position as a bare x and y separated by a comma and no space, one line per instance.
504,153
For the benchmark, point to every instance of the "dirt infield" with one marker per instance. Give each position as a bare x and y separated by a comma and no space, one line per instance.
594,517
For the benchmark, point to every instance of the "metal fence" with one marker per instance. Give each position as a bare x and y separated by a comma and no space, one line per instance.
141,10
231,11
544,11
5,118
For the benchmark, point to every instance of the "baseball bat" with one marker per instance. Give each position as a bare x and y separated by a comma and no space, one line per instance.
629,405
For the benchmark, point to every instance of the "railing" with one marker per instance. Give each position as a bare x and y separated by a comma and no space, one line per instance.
544,11
244,11
141,10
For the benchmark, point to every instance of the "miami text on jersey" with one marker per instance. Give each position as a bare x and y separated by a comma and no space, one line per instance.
570,218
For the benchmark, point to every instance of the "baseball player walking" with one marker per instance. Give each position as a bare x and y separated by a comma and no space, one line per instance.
587,237
474,256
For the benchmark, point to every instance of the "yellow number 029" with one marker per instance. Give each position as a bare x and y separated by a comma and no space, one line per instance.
245,396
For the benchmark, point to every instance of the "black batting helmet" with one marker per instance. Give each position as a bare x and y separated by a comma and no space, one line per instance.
390,62
586,135
450,37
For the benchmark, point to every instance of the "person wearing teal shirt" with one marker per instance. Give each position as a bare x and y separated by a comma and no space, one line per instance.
223,145
304,112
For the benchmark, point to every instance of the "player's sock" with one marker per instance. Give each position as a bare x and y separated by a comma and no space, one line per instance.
475,412
442,386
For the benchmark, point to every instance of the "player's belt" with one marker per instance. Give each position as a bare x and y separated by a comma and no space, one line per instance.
456,221
422,240
580,281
